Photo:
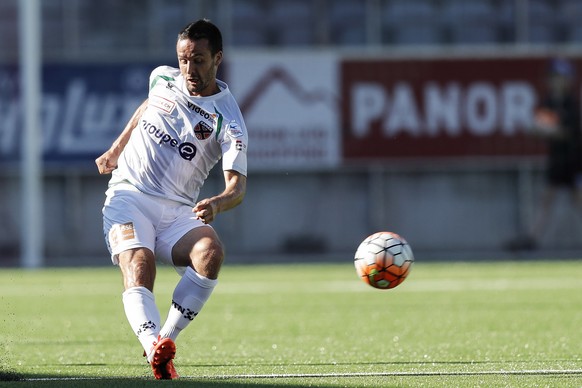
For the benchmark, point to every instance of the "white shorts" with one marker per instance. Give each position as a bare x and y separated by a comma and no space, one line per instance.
132,219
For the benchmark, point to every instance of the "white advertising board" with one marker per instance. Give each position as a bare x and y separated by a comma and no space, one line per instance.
290,102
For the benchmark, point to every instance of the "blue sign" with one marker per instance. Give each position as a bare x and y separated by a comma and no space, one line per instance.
83,109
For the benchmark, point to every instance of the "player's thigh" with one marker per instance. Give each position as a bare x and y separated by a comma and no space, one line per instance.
198,241
128,223
185,241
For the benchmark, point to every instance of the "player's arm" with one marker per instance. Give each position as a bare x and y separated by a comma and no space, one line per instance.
233,194
108,161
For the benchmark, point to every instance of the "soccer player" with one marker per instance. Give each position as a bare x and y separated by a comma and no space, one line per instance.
557,120
159,162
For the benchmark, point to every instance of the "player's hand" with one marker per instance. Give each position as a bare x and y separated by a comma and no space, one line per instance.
106,163
546,122
205,211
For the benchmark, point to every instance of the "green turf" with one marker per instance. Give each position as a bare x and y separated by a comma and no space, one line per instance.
448,325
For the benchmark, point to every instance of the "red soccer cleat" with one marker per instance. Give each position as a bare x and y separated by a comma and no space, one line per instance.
171,373
163,353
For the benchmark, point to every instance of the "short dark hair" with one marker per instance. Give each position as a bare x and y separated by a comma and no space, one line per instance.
203,29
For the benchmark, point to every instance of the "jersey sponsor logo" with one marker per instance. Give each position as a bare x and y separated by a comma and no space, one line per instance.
240,146
233,129
196,109
202,130
162,103
186,150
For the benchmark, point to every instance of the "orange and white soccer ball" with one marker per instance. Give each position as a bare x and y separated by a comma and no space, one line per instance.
383,260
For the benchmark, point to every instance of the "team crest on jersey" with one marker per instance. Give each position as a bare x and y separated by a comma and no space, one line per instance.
233,129
202,130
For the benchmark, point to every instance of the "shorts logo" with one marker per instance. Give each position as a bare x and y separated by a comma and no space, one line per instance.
121,232
202,130
126,231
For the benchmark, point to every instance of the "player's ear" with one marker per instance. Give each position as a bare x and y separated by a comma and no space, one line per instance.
218,58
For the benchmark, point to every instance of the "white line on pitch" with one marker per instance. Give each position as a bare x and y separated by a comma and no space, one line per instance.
394,374
347,374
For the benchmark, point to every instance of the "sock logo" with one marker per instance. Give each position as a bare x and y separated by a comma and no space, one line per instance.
149,325
186,312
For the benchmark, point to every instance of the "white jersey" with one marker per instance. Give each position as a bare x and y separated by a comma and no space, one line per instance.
180,138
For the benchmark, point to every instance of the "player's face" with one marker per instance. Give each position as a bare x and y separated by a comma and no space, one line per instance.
198,66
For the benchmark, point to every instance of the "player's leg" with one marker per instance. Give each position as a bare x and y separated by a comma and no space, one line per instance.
139,271
544,212
576,198
128,219
138,268
202,253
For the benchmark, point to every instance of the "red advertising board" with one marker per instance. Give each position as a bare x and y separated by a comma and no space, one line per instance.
440,107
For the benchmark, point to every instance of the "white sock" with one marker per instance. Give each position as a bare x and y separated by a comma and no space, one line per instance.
192,291
143,315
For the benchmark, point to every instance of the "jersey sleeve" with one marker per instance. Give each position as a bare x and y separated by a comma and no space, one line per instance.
234,146
166,73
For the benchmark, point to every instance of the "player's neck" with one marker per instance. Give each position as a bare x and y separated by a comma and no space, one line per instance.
211,90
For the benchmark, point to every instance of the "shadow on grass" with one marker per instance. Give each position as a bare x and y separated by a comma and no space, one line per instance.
32,380
10,376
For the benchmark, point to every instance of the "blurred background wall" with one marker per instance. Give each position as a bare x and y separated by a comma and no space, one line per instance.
364,115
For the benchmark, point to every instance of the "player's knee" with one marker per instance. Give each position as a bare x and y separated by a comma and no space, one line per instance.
138,268
209,249
207,257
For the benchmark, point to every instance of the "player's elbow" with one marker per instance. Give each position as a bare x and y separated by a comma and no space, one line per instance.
241,192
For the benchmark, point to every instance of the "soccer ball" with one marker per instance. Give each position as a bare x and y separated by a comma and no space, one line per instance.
383,260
